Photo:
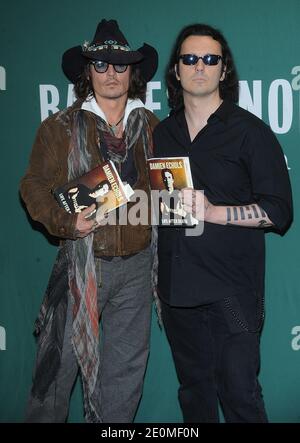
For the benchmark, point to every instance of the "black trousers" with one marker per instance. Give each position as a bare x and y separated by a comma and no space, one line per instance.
216,359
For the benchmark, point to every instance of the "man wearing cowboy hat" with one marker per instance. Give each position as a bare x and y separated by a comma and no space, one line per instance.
102,271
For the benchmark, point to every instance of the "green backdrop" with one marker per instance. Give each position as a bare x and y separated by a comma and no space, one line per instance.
264,37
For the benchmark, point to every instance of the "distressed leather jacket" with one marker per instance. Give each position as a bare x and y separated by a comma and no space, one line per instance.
48,169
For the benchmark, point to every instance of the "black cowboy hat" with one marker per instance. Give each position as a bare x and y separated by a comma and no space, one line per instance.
109,45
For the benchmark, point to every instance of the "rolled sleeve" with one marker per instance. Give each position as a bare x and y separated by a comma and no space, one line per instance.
271,187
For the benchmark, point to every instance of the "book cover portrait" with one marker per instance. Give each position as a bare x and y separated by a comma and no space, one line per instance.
167,177
101,186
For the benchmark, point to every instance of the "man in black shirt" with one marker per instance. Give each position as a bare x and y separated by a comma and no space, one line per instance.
212,285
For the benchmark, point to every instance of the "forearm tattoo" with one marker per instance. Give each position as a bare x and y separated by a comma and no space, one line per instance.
236,214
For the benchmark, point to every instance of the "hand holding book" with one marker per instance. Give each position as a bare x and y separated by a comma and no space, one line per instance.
194,202
101,187
169,175
84,225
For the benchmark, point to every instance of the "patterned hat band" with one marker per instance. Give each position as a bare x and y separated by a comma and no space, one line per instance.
108,44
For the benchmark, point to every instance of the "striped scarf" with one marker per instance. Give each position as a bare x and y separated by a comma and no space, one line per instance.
81,268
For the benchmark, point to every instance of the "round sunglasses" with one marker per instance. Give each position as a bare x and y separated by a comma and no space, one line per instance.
102,67
208,59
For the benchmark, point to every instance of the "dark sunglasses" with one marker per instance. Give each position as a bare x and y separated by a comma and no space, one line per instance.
102,67
208,59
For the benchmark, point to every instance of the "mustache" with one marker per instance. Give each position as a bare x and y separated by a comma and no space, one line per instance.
111,81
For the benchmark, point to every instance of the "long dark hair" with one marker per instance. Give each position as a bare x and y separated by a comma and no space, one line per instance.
101,184
228,87
137,85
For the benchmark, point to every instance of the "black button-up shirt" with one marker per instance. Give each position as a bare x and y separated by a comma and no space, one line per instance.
236,160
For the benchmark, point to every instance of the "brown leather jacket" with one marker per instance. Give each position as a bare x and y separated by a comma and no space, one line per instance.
48,169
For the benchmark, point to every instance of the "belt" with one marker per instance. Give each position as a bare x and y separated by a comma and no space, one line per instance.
110,257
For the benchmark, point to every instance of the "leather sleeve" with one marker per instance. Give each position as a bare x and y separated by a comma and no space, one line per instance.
45,166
